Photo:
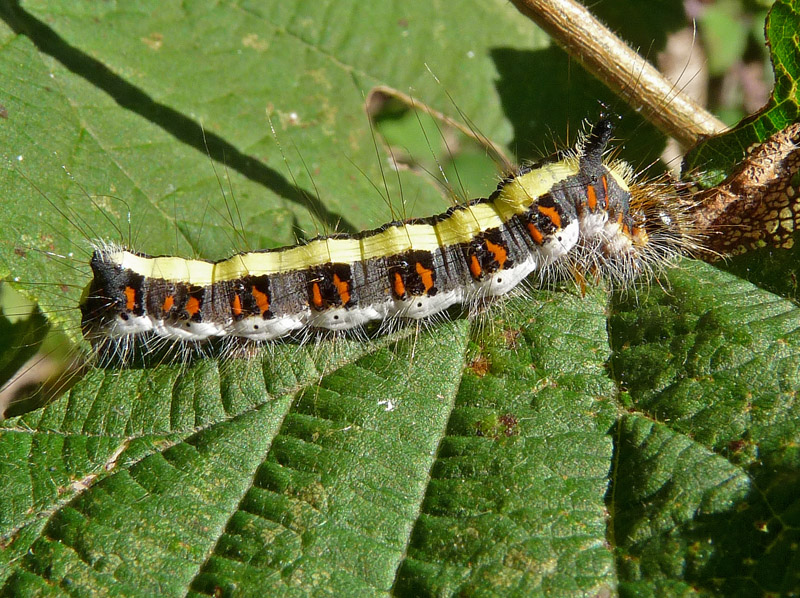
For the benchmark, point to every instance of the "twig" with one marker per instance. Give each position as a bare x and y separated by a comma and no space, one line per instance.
626,73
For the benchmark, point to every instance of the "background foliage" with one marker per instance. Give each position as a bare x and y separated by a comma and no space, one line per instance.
562,445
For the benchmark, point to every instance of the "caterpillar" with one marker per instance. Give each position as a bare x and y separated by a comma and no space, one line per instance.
573,213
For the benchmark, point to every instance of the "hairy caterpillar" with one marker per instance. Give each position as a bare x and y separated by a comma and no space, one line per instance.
575,213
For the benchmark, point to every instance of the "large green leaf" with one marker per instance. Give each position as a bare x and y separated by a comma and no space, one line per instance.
559,445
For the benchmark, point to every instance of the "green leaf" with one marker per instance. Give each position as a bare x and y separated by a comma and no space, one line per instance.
558,445
708,468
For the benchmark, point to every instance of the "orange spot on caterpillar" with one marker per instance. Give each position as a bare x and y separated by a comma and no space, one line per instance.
236,305
316,295
605,191
535,233
399,287
475,267
343,288
130,298
192,306
552,214
262,301
169,301
591,197
426,276
498,251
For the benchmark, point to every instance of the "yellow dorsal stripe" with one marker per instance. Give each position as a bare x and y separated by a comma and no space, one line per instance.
521,192
461,226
